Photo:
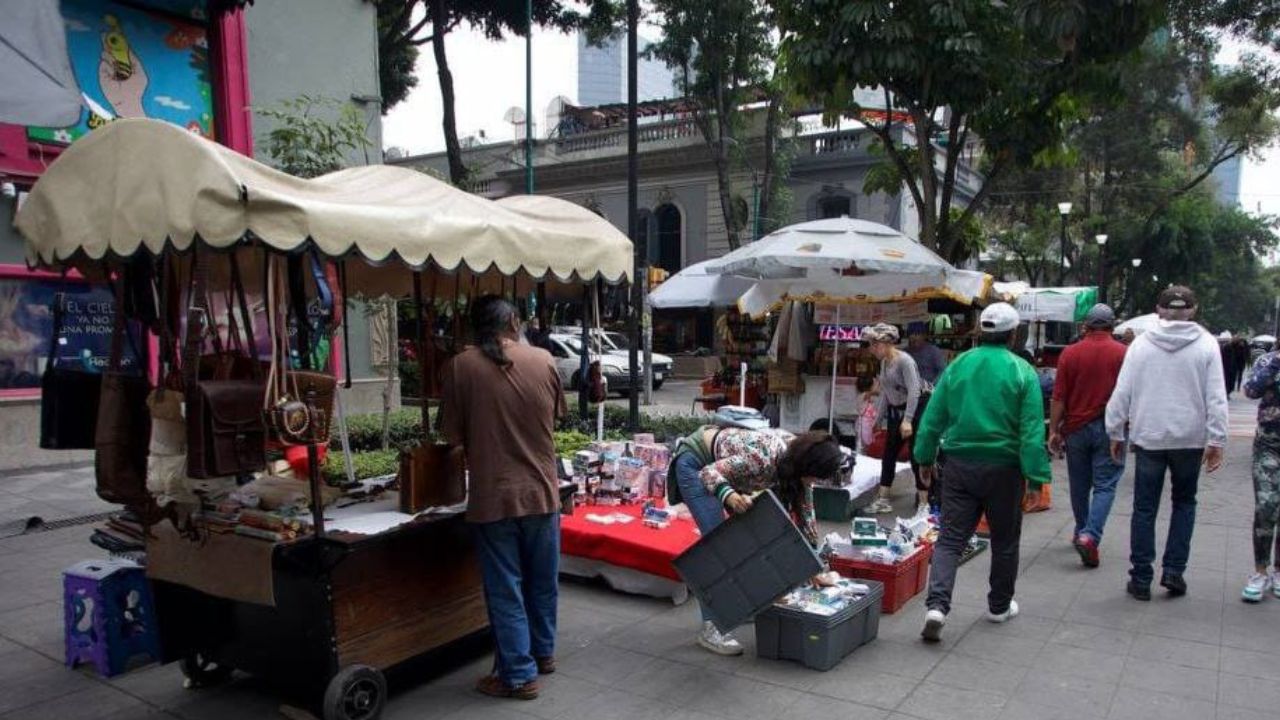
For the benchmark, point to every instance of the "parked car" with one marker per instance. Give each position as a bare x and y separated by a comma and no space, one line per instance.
616,345
567,351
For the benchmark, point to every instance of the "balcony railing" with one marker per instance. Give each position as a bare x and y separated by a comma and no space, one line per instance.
617,137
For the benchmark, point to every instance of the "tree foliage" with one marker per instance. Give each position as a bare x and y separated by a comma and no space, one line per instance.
313,135
723,52
947,72
405,25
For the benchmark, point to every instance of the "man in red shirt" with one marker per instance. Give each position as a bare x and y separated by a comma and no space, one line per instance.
1087,373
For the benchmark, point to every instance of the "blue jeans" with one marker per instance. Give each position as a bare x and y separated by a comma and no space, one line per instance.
1183,467
706,510
520,563
1093,477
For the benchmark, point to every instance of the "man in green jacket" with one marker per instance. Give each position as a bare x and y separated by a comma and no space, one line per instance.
987,414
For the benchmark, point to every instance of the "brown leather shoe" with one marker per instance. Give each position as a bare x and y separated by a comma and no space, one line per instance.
546,665
493,686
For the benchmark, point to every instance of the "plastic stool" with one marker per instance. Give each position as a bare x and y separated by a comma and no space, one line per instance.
108,614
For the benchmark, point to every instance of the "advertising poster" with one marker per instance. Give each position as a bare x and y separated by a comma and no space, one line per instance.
26,329
135,63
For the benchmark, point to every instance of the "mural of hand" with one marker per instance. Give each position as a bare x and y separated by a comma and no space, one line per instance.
124,95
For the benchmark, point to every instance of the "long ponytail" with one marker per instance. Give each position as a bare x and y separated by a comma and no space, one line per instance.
491,317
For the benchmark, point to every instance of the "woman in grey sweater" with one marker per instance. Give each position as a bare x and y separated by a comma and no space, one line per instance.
897,408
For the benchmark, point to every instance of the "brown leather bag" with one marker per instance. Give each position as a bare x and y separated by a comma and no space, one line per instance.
226,434
123,424
298,404
432,475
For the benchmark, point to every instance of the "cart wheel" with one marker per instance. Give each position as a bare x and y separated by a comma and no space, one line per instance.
357,692
201,672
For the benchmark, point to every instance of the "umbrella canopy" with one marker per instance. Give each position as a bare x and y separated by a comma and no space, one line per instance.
827,248
37,85
145,185
694,287
1264,339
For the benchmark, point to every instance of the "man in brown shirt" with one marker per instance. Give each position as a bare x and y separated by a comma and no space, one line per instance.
500,402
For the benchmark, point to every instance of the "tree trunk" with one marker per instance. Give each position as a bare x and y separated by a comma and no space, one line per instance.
439,25
928,179
765,181
723,181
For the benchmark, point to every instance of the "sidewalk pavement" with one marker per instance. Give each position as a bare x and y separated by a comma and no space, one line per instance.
1081,650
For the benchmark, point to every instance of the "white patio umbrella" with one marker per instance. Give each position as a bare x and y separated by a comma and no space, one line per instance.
1266,339
1139,324
693,287
37,85
822,248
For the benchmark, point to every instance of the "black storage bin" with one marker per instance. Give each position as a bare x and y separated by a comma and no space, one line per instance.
750,560
816,641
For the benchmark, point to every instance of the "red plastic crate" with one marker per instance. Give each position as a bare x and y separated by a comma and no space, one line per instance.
902,581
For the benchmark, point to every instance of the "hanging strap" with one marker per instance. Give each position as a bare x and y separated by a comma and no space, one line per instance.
246,318
197,318
118,327
298,302
59,317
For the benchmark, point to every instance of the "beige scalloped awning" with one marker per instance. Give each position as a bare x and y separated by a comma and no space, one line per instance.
146,185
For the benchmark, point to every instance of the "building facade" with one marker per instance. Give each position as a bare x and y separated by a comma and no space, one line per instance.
202,65
602,73
680,213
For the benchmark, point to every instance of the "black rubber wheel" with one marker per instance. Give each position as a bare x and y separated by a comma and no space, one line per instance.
202,672
357,692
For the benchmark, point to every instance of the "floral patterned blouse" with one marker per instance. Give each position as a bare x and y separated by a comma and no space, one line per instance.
745,462
1261,385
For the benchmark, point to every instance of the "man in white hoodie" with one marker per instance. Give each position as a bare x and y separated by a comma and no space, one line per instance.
1172,399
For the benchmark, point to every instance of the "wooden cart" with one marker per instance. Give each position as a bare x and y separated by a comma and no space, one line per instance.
346,609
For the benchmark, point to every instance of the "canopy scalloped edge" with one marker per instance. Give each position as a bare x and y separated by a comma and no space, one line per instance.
145,184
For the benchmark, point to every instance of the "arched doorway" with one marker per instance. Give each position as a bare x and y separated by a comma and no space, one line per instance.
666,242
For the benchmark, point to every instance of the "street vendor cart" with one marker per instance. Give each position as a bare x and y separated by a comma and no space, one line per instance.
320,595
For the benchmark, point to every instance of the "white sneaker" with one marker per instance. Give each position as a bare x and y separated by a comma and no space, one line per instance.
1005,616
880,506
933,622
717,642
1257,587
1275,582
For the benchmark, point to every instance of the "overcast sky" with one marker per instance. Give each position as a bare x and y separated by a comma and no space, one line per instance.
488,79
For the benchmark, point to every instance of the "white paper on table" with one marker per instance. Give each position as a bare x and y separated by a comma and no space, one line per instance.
369,523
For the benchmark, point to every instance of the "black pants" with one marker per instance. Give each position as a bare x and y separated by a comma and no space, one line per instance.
893,442
972,489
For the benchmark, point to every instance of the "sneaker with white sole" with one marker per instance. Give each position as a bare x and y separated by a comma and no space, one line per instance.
934,620
1005,616
880,506
717,642
1257,587
1275,582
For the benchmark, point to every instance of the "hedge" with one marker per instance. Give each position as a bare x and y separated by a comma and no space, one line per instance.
366,465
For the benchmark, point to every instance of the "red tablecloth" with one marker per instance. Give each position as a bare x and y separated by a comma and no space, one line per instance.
629,545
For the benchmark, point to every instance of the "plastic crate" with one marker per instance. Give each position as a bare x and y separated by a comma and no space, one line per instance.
902,581
750,560
832,504
815,641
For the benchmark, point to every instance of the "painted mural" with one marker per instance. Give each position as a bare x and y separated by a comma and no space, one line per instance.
135,63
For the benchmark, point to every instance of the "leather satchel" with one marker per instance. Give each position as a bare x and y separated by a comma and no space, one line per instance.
225,431
123,425
68,396
298,404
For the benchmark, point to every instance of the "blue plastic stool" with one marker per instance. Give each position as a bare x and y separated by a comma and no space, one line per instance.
109,615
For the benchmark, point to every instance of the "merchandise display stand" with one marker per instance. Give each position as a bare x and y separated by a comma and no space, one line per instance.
306,602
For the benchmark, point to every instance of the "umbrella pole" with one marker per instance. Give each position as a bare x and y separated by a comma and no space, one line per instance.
835,366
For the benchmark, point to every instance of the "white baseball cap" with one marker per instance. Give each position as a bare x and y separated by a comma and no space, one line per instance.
998,318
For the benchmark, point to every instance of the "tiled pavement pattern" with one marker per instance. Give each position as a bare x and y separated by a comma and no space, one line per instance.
1081,650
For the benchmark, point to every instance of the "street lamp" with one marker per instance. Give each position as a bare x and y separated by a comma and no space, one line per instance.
1137,263
1064,209
1101,238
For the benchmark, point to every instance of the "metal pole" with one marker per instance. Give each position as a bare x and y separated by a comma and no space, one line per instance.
1062,255
755,208
633,215
528,97
584,361
835,366
1275,325
1102,273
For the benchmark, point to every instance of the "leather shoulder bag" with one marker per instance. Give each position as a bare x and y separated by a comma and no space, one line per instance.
124,421
68,395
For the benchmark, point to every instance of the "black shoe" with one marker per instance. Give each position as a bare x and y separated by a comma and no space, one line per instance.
1139,592
1176,586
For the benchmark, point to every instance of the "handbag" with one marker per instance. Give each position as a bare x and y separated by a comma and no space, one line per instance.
68,396
124,424
297,404
225,431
